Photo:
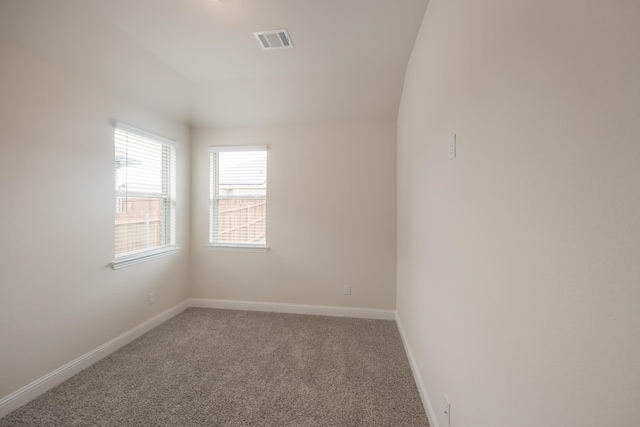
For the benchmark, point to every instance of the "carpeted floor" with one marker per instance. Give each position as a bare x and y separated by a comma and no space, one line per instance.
208,367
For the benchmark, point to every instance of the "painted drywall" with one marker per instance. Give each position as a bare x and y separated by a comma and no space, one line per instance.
518,274
330,217
59,297
197,60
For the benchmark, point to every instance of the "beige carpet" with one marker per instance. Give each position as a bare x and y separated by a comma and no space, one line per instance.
209,367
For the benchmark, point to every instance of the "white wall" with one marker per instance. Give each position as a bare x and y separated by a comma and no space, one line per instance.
59,298
330,217
518,273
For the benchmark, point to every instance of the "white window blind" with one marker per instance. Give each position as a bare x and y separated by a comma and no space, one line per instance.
145,189
238,196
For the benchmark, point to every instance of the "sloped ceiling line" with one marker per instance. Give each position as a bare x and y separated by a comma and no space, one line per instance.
197,61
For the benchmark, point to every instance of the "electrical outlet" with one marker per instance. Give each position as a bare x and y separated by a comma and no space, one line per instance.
347,289
447,410
152,297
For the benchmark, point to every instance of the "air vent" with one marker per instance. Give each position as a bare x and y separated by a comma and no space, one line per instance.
275,39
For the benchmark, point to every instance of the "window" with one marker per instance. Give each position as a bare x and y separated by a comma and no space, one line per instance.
145,190
238,197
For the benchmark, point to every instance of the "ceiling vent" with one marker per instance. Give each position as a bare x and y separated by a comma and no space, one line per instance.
275,39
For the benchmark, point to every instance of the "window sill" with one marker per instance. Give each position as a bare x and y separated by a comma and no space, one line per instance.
142,257
237,248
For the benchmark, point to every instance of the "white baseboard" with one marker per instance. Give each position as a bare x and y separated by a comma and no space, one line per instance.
317,310
426,402
52,379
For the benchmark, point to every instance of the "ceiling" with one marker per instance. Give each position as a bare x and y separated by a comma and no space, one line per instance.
197,60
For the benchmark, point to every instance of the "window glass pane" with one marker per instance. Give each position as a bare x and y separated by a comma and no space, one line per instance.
242,173
138,164
238,197
138,223
241,221
145,193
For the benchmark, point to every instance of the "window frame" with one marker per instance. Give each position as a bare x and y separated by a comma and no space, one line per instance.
214,197
168,199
